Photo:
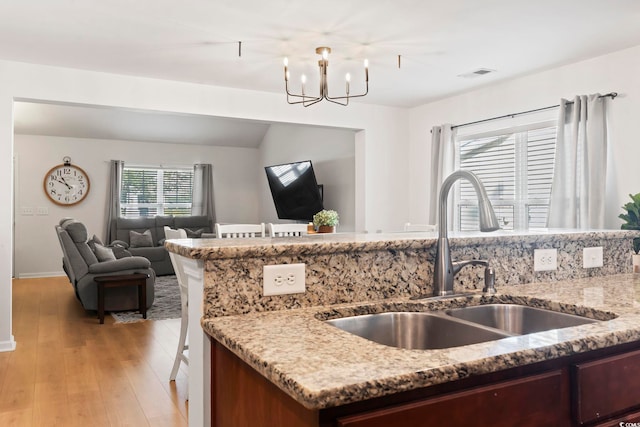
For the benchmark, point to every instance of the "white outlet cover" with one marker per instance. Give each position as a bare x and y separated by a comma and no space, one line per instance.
283,279
545,259
592,257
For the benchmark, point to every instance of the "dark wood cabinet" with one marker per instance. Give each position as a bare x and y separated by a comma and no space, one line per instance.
532,401
606,387
595,389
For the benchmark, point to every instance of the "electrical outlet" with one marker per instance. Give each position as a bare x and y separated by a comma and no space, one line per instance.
545,259
592,257
283,279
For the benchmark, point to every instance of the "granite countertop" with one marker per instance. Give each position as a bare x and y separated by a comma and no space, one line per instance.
329,243
321,366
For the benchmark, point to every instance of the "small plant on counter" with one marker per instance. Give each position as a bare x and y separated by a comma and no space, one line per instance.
326,217
632,219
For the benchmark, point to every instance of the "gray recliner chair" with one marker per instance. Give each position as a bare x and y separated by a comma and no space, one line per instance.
82,265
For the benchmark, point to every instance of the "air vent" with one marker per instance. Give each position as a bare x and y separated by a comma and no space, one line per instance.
477,73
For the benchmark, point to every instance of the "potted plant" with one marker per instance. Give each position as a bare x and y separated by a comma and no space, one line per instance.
326,221
632,222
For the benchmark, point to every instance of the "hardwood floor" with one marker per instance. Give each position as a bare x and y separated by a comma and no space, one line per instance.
68,370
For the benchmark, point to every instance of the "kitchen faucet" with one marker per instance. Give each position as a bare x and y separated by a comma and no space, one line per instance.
445,269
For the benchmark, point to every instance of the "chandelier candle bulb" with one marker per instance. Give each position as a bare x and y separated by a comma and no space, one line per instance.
366,69
286,70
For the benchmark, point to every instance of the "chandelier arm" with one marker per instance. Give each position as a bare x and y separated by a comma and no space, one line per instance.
329,98
344,104
311,103
305,98
308,99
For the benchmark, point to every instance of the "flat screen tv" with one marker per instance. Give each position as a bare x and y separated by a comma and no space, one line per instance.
295,190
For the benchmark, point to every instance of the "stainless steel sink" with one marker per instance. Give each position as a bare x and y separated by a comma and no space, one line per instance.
416,330
517,319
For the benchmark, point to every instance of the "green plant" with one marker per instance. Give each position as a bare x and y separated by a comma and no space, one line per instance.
632,218
326,217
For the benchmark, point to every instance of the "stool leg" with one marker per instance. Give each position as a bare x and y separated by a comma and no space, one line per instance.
180,356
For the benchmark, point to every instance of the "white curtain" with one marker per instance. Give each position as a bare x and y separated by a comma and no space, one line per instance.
578,188
202,197
113,197
442,164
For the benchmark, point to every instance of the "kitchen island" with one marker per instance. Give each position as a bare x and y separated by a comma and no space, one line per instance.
283,339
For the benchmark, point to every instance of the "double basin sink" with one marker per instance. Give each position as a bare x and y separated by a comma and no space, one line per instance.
455,327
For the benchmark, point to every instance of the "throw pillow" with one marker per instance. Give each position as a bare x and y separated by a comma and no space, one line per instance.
141,240
92,242
103,253
194,234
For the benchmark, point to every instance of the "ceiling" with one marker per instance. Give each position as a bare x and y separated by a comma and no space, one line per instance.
93,122
197,40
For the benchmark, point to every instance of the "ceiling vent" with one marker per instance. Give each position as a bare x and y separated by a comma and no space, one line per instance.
477,73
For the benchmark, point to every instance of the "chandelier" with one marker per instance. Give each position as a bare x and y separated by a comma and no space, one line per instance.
307,100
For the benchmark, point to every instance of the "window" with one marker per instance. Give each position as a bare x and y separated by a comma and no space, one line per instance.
155,191
516,168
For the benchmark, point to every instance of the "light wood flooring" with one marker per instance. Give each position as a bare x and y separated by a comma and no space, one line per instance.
68,370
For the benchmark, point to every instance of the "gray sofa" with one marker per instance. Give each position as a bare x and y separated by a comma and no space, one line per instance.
153,249
84,259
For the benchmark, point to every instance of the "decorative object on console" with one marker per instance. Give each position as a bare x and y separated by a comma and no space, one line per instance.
326,221
306,99
66,184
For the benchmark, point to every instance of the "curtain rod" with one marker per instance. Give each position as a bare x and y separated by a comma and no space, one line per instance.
612,95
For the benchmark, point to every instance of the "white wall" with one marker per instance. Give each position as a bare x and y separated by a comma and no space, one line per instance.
615,72
332,153
37,251
381,194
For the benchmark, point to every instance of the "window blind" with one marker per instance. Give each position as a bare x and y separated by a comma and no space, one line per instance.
155,191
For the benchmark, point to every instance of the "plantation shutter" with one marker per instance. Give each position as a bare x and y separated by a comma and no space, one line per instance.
516,168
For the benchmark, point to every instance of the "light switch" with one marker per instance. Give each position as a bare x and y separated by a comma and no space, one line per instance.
42,211
26,211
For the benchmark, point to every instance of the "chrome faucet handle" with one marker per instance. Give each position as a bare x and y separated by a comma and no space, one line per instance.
457,265
489,281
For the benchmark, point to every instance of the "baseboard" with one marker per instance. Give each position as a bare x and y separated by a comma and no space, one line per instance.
40,275
8,345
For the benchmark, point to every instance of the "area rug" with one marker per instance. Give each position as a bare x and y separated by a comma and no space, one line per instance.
166,304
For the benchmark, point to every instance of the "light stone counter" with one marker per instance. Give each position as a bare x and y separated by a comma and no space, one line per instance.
300,354
321,366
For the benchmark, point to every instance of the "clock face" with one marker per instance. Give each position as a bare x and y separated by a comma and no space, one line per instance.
66,185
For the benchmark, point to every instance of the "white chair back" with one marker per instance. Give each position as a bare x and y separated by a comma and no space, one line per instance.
287,230
239,231
419,227
176,261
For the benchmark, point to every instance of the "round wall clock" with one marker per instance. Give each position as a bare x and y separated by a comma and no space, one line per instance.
66,184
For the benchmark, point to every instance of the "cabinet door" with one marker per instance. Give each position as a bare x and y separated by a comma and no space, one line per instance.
538,400
606,387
